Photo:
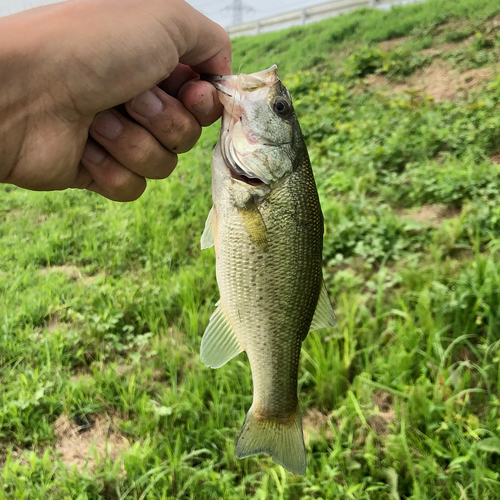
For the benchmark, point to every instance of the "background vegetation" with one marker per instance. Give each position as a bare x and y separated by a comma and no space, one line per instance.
103,305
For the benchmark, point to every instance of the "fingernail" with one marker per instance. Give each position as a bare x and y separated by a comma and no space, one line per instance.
147,104
204,104
107,125
92,153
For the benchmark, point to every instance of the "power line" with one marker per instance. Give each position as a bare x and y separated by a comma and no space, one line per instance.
237,8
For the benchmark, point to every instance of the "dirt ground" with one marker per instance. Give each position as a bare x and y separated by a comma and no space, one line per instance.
437,80
80,445
429,214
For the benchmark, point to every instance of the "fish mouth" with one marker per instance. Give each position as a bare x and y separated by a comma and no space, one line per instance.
220,82
230,84
240,176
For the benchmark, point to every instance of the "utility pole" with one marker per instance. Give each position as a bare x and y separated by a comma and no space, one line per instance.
237,12
238,7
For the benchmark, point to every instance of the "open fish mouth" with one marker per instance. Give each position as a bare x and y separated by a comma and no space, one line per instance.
239,174
218,82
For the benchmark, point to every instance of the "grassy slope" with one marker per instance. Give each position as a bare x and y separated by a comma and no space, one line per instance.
406,386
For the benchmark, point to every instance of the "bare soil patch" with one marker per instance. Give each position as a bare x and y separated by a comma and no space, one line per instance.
72,272
495,157
81,445
315,425
123,369
445,83
53,324
447,47
456,25
493,23
388,45
437,80
16,454
82,377
13,214
430,214
386,416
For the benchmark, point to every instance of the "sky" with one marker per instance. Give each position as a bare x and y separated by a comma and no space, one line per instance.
218,10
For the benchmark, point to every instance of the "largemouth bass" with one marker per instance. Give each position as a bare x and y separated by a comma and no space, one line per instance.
267,228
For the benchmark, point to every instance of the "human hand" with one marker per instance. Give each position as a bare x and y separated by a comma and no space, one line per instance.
99,94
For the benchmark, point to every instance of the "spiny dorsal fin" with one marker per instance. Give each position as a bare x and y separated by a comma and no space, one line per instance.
207,238
219,343
324,317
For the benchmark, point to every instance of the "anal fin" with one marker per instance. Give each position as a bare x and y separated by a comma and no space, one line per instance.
219,343
324,317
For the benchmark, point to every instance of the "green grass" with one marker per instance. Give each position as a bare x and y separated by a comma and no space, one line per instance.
103,305
307,47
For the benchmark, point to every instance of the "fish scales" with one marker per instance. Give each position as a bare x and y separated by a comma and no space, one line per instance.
267,228
272,293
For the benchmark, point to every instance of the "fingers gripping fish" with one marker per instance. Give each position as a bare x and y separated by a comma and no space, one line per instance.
267,228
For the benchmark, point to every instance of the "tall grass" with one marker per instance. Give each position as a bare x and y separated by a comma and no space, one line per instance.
104,304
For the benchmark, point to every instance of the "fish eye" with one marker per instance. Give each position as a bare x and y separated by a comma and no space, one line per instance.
282,107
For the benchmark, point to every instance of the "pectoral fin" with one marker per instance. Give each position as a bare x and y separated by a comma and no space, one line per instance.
254,225
219,343
207,238
324,317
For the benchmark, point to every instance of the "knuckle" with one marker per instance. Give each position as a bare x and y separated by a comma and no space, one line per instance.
226,39
152,160
183,134
222,37
143,152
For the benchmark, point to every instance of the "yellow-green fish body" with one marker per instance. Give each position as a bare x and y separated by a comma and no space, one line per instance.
267,228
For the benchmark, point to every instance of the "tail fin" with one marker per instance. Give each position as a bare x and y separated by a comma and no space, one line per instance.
283,442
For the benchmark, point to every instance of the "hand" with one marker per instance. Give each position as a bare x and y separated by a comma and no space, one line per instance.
100,94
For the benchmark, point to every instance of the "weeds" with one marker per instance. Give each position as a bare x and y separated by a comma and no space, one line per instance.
105,304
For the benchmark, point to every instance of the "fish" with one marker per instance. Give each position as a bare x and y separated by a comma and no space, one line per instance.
266,226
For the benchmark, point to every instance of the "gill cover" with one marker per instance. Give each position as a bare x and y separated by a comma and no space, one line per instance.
259,127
